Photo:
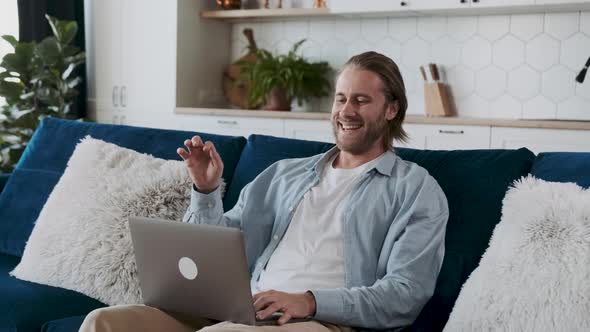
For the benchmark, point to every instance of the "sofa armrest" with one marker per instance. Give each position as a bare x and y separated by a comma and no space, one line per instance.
3,179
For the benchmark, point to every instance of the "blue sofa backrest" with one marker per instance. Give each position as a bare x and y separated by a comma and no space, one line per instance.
475,183
262,151
48,152
563,167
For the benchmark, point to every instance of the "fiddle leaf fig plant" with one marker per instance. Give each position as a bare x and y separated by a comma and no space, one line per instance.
36,80
289,73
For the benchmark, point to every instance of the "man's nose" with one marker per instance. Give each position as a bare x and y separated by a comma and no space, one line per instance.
348,109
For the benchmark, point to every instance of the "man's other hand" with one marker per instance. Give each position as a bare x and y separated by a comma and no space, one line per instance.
203,163
291,305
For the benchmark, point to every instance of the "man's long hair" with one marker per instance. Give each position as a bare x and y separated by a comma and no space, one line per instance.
393,89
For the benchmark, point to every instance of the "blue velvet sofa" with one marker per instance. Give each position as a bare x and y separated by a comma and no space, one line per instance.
474,182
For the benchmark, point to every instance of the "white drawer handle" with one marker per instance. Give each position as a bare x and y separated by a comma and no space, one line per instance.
226,122
440,131
115,96
123,96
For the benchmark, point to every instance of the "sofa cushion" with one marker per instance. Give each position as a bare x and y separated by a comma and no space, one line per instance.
69,324
534,275
474,182
262,151
26,306
563,167
87,246
52,145
42,152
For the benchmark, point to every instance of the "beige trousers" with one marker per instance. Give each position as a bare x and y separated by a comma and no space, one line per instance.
148,319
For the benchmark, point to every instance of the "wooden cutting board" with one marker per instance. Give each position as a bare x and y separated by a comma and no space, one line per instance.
237,94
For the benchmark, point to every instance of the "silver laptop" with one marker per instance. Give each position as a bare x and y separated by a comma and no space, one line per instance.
198,271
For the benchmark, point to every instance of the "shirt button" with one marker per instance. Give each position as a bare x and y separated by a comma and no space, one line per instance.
290,209
209,205
276,237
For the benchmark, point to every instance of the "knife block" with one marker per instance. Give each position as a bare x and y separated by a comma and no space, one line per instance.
436,99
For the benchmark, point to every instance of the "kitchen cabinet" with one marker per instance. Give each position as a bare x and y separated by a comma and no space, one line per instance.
142,58
421,136
311,130
499,3
416,138
148,64
447,137
103,39
233,126
557,2
355,6
432,4
466,135
130,63
403,6
541,140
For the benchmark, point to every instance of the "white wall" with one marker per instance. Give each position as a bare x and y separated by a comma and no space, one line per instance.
505,66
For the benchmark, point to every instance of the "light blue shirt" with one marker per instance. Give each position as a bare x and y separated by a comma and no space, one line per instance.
394,225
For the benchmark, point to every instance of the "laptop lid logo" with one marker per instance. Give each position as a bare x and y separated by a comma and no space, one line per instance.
188,268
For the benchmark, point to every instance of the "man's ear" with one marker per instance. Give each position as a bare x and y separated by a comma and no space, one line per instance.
391,111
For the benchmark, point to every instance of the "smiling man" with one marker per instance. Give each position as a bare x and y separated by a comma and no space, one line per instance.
359,233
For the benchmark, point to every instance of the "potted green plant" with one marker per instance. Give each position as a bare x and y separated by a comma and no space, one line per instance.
38,80
278,79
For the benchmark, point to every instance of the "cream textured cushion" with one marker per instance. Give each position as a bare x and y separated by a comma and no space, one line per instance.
535,275
81,239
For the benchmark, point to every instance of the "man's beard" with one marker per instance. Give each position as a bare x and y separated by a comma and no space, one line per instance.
373,132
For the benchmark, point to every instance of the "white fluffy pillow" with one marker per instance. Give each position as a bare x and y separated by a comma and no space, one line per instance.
535,275
81,239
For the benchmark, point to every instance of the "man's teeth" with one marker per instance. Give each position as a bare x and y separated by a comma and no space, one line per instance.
350,127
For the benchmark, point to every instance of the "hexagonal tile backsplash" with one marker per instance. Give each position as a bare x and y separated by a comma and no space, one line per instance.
501,66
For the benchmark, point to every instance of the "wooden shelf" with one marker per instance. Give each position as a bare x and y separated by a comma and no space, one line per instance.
410,118
274,14
265,13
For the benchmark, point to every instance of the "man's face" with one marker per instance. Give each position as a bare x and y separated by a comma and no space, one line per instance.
360,112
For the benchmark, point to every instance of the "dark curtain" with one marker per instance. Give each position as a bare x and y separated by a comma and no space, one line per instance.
34,27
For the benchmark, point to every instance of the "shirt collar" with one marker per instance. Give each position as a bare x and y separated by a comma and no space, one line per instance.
383,166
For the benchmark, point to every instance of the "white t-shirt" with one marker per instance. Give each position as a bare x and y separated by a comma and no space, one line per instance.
310,255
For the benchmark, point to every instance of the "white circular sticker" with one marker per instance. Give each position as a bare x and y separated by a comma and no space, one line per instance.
188,268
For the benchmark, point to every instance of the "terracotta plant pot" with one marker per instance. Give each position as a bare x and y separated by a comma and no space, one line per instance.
278,100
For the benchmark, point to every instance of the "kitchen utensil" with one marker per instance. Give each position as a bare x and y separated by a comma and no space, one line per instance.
434,72
436,94
423,74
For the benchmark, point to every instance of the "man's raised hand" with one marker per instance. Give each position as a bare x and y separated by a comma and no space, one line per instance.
203,164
